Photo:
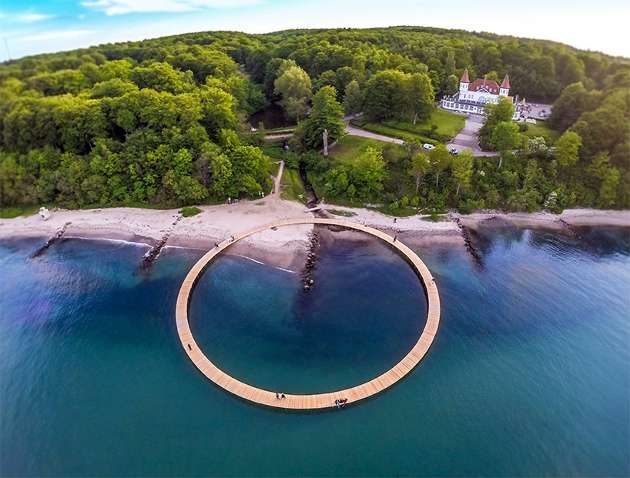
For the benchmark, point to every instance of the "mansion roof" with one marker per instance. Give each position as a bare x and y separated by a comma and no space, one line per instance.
479,84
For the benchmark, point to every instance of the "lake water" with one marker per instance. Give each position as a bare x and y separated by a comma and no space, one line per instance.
529,373
271,117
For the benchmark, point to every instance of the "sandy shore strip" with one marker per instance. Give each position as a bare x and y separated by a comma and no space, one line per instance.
414,230
285,246
546,220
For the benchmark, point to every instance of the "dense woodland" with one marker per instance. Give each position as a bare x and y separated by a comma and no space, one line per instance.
163,122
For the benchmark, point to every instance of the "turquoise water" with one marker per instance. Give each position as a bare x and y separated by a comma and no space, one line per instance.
529,374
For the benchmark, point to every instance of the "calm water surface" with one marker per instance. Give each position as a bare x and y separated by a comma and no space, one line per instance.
529,374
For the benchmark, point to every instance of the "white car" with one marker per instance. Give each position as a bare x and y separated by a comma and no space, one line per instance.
453,151
428,146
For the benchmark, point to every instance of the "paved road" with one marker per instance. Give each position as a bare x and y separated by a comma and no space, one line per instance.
467,137
272,137
354,131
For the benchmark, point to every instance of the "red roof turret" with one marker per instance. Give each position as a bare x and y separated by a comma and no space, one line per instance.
506,82
464,78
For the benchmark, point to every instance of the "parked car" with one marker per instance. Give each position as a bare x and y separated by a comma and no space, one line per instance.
453,151
428,146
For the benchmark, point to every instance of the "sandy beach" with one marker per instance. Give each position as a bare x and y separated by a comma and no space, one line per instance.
284,247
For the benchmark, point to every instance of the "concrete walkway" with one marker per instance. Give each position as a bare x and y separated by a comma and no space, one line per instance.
273,137
465,139
351,130
277,182
354,131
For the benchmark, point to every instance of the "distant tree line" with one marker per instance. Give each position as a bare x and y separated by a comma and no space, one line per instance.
163,121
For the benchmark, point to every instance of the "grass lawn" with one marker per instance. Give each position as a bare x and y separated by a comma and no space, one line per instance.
447,125
17,211
284,129
381,128
273,150
292,187
349,147
542,129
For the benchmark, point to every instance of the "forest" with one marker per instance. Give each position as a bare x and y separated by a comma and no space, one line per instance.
164,122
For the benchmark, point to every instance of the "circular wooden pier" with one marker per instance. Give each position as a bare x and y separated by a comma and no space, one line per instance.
319,400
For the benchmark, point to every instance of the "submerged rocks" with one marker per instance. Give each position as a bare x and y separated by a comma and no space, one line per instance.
152,254
311,259
468,243
571,230
58,235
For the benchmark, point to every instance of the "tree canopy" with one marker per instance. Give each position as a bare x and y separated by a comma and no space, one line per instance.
163,121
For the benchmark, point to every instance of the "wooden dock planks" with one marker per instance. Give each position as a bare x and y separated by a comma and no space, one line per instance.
320,400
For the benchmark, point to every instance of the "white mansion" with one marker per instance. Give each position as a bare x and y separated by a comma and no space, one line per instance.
473,97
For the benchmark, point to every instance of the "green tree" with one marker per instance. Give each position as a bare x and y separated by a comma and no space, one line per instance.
294,86
440,159
420,166
217,110
12,181
385,95
451,85
573,101
326,114
353,100
496,113
501,111
505,137
367,173
608,178
113,88
250,170
419,96
463,169
568,148
215,170
162,77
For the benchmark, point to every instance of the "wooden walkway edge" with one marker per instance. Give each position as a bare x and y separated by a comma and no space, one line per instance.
320,400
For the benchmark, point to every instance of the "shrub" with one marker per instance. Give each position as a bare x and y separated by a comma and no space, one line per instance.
189,211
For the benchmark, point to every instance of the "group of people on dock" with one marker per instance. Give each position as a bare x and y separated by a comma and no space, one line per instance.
339,403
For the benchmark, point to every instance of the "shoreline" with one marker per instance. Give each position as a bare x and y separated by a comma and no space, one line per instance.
284,247
569,218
